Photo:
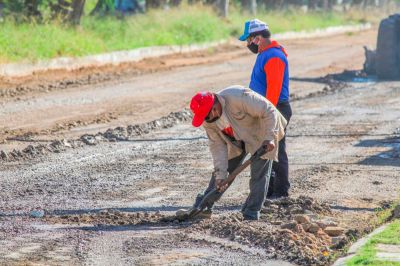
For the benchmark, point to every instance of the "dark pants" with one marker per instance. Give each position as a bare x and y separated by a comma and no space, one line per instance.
279,183
260,171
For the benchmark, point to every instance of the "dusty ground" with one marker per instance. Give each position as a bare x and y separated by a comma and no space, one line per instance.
105,203
51,104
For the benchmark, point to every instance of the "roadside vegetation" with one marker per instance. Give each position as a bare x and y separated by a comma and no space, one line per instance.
367,254
31,41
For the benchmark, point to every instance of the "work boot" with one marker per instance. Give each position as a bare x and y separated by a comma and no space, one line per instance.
275,197
205,214
182,213
249,218
198,200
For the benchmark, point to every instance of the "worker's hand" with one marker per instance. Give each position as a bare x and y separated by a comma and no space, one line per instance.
268,145
221,185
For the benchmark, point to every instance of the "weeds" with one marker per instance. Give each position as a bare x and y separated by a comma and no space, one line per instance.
177,26
366,255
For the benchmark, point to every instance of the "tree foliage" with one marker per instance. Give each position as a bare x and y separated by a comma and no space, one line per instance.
68,10
71,11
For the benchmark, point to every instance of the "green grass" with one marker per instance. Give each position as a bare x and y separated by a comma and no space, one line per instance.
183,25
366,255
290,20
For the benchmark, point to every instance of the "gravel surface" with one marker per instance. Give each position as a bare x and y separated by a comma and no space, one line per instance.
104,203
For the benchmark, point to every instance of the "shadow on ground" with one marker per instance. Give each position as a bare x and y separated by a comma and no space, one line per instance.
346,76
390,157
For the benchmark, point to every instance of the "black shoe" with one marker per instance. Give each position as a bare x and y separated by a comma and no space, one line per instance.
276,197
249,218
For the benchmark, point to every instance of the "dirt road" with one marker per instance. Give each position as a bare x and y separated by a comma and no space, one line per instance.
46,107
105,204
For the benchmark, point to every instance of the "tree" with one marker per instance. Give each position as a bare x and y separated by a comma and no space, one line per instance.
69,11
154,4
175,2
223,7
32,8
60,9
250,5
76,12
1,9
102,7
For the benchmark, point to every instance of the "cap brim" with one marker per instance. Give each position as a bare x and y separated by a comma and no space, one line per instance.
244,37
198,120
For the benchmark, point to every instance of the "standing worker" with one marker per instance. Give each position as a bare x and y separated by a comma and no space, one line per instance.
239,121
270,78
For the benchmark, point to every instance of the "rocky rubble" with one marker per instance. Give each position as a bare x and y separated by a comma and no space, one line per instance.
295,230
294,245
333,84
293,206
115,134
32,151
124,133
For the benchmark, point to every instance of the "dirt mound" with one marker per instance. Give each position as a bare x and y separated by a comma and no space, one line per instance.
298,246
294,230
115,134
287,207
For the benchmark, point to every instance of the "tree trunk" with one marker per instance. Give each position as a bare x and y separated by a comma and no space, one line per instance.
175,2
76,12
69,11
250,5
312,4
154,4
32,8
325,4
1,10
222,7
60,9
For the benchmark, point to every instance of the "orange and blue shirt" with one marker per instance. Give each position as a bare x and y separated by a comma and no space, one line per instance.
270,76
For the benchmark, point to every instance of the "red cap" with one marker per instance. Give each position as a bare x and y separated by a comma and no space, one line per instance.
201,105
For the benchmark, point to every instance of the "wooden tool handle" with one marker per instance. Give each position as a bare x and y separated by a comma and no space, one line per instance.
237,171
229,180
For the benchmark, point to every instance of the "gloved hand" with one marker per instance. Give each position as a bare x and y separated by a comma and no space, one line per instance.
221,185
268,145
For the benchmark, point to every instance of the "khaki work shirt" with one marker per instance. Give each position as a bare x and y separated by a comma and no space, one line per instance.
253,119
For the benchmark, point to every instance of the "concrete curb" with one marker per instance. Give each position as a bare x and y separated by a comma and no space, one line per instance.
330,31
357,245
115,58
